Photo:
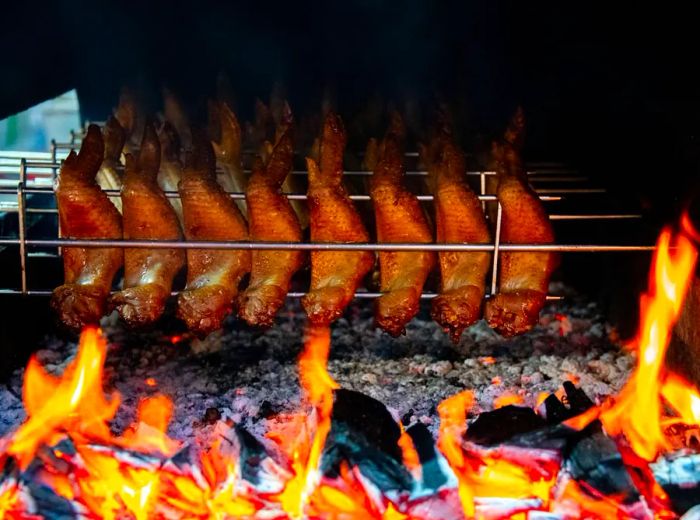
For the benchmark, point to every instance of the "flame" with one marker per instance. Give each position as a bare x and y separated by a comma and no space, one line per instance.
637,412
75,402
318,386
453,424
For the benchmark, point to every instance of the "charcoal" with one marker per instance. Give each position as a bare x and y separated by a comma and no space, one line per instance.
596,460
364,434
555,410
577,399
252,454
679,476
365,414
503,423
434,475
49,505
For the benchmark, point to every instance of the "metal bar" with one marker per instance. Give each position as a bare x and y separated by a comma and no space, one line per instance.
496,249
22,225
291,196
319,246
358,295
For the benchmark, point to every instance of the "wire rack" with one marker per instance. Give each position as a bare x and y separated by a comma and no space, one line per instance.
34,175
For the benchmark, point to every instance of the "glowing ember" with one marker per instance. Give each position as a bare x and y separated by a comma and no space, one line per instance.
66,445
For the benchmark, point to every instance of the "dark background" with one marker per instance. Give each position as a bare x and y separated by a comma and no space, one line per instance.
608,88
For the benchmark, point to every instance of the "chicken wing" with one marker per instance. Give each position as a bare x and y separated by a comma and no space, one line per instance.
459,219
209,213
108,176
524,277
147,215
335,275
399,218
271,218
170,172
228,151
86,212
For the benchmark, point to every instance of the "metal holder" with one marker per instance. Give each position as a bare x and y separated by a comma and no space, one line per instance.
50,169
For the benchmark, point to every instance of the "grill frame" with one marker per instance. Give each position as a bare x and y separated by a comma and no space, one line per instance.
46,172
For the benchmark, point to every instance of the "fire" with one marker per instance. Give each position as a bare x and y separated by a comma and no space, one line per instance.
318,385
637,412
453,424
507,398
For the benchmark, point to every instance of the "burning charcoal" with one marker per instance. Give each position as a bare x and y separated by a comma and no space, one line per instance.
49,505
369,416
503,423
679,476
211,415
596,460
555,410
435,470
364,434
578,401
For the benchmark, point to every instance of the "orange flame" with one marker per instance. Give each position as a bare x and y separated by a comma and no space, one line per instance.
318,385
453,425
75,402
637,412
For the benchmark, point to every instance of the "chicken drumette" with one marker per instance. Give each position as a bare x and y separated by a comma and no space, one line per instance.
399,218
147,215
335,275
271,218
86,212
524,276
209,213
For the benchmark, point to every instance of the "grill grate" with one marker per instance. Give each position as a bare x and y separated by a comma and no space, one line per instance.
34,176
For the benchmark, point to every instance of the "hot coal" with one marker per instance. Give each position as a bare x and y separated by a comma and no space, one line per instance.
434,471
503,423
679,476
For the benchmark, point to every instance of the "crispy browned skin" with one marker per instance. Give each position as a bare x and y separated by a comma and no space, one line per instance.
209,214
147,215
335,275
85,212
271,218
399,218
524,277
459,218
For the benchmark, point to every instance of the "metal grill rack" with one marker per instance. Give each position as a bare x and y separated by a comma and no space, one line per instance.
35,176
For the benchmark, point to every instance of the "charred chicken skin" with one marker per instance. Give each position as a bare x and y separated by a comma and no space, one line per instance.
335,275
271,218
524,277
459,218
209,213
399,218
147,215
86,212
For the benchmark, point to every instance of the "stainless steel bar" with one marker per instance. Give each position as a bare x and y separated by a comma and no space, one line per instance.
358,295
291,196
22,225
496,249
324,246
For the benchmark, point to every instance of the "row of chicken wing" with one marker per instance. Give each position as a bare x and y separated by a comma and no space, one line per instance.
204,211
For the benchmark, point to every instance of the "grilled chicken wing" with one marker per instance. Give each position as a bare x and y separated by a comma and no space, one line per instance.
147,215
524,277
86,212
108,176
271,218
170,172
209,214
399,218
459,219
228,151
335,275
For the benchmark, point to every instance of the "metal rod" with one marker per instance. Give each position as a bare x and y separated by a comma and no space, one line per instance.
358,295
22,225
496,249
319,246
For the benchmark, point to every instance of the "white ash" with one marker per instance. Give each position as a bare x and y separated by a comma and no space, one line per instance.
249,376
